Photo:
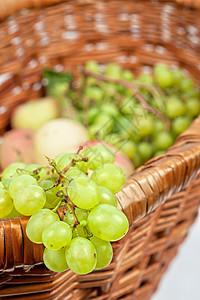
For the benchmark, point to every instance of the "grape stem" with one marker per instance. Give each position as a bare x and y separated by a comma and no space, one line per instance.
74,160
53,164
155,91
73,212
135,92
60,203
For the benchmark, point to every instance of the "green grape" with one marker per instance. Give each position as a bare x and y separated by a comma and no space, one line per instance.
73,173
110,109
106,196
69,218
175,107
104,252
92,114
67,158
105,121
127,75
110,176
47,184
180,124
113,70
145,150
58,157
58,90
128,148
113,139
89,81
11,170
13,214
92,66
107,222
158,126
6,203
84,193
144,126
127,106
1,185
109,88
55,260
81,256
64,160
96,131
29,199
79,232
137,160
163,76
124,125
145,78
38,222
94,93
186,84
98,155
193,107
6,183
178,76
191,93
20,181
57,235
163,140
158,153
81,214
33,167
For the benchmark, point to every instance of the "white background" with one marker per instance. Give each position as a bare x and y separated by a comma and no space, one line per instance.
182,279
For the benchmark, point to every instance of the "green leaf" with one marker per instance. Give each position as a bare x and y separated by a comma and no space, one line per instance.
57,83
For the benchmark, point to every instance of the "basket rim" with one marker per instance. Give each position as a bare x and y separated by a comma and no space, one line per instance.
11,7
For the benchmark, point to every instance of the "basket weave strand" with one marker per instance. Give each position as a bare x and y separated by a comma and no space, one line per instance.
9,7
161,198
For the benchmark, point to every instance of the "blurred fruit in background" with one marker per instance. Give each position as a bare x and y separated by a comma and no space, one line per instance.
58,136
76,111
35,113
17,145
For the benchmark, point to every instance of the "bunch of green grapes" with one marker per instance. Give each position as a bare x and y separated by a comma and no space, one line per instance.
81,241
112,114
20,193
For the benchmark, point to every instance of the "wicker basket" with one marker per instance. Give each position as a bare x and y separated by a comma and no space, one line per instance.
161,198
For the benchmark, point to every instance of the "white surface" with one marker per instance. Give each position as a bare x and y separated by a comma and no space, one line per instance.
182,280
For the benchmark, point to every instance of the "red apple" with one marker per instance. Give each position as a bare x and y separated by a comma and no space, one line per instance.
17,144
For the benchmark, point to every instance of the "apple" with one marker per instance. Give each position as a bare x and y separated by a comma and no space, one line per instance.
58,136
121,159
33,114
17,144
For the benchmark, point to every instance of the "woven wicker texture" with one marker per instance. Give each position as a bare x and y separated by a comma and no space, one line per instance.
136,34
10,7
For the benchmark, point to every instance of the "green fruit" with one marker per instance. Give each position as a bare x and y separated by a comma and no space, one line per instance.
180,124
193,107
175,107
163,76
145,150
145,78
163,140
